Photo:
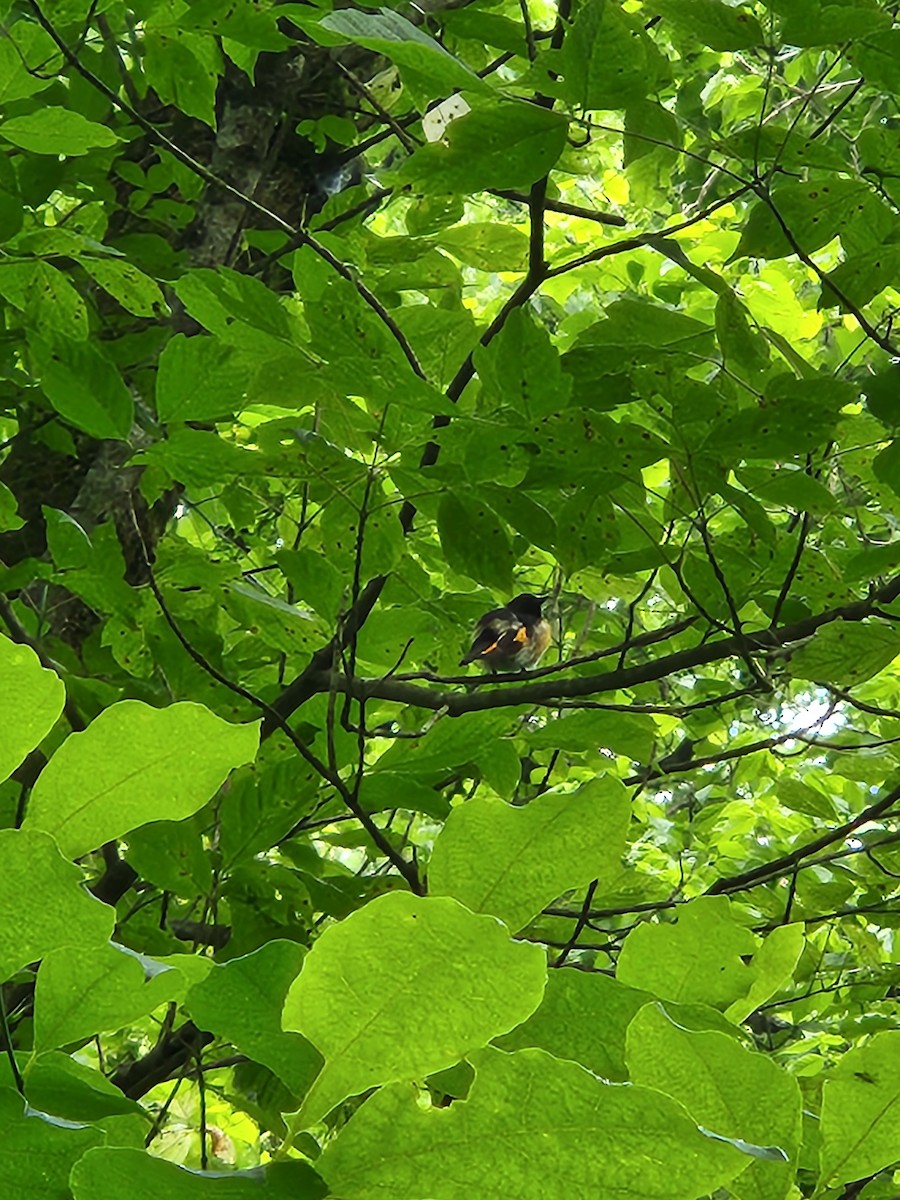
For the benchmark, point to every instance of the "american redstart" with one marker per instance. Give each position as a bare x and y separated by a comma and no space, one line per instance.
512,638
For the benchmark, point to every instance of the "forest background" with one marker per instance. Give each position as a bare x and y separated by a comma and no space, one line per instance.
322,331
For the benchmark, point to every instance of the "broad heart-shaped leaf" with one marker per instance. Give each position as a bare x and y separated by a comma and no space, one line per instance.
529,1119
475,541
583,1017
242,1000
696,958
80,994
404,987
389,33
31,699
512,861
51,130
199,379
860,1125
43,902
135,764
84,387
846,653
503,145
38,1151
122,1171
732,1091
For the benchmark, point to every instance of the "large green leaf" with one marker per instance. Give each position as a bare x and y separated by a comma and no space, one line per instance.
719,26
603,1139
242,1001
31,700
698,957
462,982
199,379
84,387
43,902
132,764
725,1088
121,1171
846,654
390,34
861,1111
78,994
505,145
52,130
583,1017
38,1151
512,861
607,62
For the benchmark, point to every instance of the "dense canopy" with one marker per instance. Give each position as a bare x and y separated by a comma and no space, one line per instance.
323,331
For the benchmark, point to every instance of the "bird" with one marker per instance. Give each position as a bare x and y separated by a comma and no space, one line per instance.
512,638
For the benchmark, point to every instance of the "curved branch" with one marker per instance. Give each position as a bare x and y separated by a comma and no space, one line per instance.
509,691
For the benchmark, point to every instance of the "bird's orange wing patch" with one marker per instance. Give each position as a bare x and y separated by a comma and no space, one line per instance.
488,649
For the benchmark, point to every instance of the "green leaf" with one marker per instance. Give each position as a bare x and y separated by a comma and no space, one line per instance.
132,764
583,1017
696,958
800,797
43,903
462,982
31,700
513,861
741,345
845,653
602,1139
60,1085
773,967
51,304
729,1090
521,369
389,33
860,1123
135,291
80,994
242,1002
631,734
38,1151
199,379
182,68
52,130
475,542
489,247
247,24
122,1171
16,82
506,145
813,212
719,26
84,387
607,60
886,466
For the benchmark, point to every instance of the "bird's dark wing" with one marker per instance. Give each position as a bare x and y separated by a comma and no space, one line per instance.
498,636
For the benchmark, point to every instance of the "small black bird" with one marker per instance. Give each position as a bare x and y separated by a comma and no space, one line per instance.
512,638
